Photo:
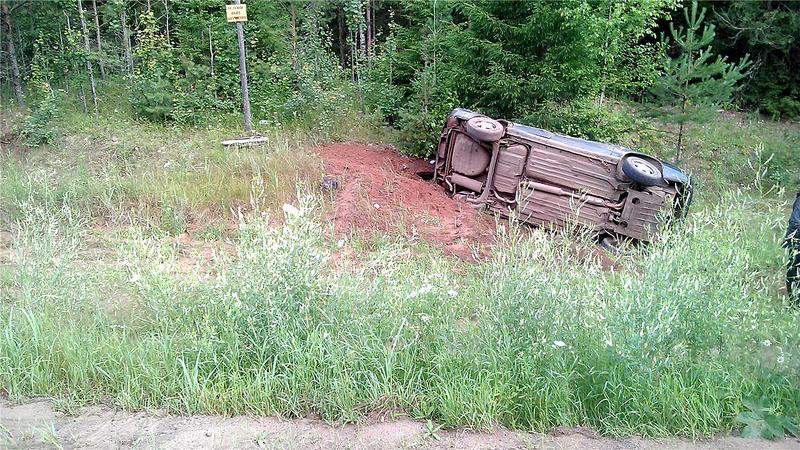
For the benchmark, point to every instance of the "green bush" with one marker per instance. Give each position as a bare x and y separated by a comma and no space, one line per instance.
422,117
39,127
153,99
610,122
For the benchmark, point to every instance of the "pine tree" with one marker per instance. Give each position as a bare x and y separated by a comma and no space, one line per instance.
695,80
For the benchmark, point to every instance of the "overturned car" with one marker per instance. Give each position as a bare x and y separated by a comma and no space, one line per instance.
550,179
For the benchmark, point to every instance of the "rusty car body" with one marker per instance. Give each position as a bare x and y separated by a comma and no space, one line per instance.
549,179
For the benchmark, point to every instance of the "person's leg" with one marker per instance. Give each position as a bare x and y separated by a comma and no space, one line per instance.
793,276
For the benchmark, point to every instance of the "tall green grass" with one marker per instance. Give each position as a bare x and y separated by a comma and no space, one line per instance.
537,337
723,154
670,341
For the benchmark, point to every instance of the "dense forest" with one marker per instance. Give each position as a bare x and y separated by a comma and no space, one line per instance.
405,62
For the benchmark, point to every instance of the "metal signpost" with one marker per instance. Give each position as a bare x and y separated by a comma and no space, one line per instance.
238,13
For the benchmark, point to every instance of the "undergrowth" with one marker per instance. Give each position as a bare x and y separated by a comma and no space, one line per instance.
534,338
98,303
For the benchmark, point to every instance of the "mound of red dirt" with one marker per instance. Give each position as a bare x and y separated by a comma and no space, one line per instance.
381,191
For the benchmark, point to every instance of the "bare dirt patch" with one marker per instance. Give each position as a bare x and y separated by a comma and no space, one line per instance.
381,191
38,425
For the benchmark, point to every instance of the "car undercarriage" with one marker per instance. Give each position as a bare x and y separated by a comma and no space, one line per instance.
549,179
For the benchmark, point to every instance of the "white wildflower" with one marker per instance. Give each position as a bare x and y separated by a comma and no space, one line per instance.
377,206
780,359
452,293
340,243
766,343
291,210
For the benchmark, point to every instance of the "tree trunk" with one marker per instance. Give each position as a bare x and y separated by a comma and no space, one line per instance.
361,40
166,12
99,45
368,51
211,49
294,35
5,77
88,49
353,56
374,22
126,38
82,96
342,39
12,57
435,42
680,132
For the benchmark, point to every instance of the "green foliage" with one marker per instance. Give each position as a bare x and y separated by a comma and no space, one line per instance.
420,119
152,91
761,422
591,120
508,59
508,56
172,220
729,150
39,128
770,33
152,98
694,81
408,62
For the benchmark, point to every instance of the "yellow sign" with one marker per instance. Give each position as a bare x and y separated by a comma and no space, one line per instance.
236,13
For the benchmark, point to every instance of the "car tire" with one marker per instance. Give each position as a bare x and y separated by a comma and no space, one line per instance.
484,129
642,171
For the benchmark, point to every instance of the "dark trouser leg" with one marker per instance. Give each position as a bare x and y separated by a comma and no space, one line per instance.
793,276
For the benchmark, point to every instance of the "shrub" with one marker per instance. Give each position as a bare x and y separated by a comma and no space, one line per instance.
39,127
610,122
422,118
153,99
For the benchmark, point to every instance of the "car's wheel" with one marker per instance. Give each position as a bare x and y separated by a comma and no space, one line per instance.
642,171
484,129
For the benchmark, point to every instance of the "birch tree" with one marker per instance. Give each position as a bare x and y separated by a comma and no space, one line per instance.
100,61
88,50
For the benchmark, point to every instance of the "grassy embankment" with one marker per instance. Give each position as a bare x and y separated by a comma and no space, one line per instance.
98,301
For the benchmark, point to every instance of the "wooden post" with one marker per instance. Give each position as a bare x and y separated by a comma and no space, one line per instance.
248,118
